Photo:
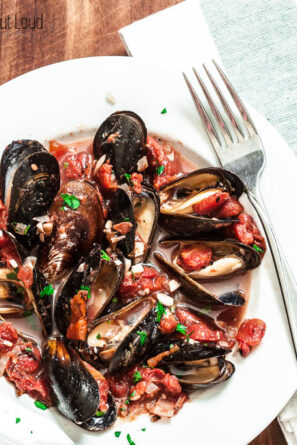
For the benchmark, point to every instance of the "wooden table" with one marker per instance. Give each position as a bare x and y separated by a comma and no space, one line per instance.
72,29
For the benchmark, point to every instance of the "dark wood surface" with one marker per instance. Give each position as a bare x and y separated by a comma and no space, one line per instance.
72,29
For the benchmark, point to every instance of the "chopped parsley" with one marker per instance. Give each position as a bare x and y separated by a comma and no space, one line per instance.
72,201
133,275
87,288
160,169
12,276
188,336
126,219
114,300
29,349
129,397
99,413
257,249
205,309
104,255
143,337
143,429
128,177
123,409
136,376
160,311
181,328
27,229
66,164
117,433
130,440
47,290
40,405
164,111
171,345
17,420
98,336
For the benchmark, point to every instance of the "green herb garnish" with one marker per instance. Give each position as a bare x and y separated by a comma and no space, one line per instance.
188,336
99,413
130,440
143,429
123,409
160,169
12,276
126,219
87,288
27,229
17,420
129,397
72,201
143,337
104,255
47,290
136,376
160,311
181,328
29,349
114,300
133,275
128,177
40,405
66,164
98,336
164,111
117,433
257,249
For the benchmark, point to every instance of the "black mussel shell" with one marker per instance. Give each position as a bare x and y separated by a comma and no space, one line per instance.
30,181
238,258
104,422
187,224
12,293
189,352
74,229
74,388
82,277
42,300
122,138
121,209
132,349
197,292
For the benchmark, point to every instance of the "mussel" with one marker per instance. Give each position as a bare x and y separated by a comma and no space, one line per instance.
30,179
197,292
77,220
142,212
180,198
225,258
13,295
115,340
121,138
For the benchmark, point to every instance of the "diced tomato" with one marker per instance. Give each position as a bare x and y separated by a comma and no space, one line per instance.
128,285
102,385
194,257
149,272
119,387
4,240
123,228
25,274
78,166
77,329
250,334
2,206
8,337
246,231
136,180
171,385
8,253
211,203
106,177
150,279
3,218
57,149
163,162
167,323
197,329
29,360
231,207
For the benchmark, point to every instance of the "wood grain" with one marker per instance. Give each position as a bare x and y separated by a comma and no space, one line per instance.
72,29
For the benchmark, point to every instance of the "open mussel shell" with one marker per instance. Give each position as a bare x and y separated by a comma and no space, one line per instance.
197,292
74,229
104,422
74,388
12,293
121,138
142,211
30,179
229,258
119,330
200,374
82,277
179,196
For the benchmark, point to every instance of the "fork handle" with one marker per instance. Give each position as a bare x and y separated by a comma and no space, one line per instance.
285,277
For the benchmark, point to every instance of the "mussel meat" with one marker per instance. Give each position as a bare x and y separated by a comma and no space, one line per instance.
121,138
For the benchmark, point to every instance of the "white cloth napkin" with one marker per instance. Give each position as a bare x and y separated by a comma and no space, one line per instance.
179,35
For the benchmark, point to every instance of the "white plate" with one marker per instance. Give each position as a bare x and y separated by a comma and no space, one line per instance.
70,96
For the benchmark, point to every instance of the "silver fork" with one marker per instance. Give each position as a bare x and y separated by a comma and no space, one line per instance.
245,156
